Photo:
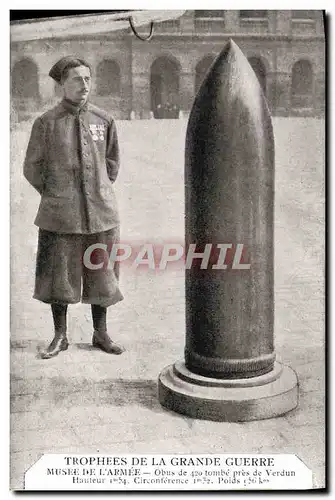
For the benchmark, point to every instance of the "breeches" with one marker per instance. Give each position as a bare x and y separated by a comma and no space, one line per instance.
63,278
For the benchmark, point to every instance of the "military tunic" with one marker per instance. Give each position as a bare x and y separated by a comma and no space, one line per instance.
72,160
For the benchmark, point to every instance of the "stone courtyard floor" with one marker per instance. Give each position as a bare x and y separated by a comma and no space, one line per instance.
85,401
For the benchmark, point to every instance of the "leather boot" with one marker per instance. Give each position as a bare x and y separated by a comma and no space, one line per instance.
103,342
58,344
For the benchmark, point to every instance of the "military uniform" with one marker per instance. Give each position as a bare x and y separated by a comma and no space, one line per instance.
72,160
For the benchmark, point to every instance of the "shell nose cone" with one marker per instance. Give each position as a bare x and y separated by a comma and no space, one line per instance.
230,77
229,151
230,102
228,53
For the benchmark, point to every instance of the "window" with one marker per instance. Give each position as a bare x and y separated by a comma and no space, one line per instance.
208,14
164,88
253,14
108,78
169,25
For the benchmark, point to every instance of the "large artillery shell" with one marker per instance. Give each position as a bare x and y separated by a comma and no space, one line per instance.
229,176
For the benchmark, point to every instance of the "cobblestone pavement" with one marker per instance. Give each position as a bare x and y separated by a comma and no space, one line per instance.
86,401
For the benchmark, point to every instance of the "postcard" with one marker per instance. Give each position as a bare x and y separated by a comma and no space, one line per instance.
167,250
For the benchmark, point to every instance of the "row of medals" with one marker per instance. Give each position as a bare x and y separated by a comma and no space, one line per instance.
97,132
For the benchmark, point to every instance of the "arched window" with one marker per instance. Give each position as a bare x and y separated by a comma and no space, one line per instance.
302,85
164,88
260,70
108,78
25,79
201,69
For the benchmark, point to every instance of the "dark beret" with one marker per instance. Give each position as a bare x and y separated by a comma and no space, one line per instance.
58,69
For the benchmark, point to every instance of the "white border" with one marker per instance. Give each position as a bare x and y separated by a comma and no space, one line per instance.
4,184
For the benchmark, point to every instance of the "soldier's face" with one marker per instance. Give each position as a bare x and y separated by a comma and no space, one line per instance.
77,85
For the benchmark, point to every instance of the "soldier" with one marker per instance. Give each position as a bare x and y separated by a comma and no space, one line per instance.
72,160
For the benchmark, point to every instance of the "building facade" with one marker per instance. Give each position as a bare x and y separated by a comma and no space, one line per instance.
132,78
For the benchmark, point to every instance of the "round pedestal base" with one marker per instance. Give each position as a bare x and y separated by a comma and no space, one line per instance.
237,400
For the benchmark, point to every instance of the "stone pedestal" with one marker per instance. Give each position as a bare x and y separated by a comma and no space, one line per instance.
230,370
232,400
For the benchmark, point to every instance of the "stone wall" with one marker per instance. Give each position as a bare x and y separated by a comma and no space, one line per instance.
277,43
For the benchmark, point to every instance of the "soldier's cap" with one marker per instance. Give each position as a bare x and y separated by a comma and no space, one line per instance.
58,69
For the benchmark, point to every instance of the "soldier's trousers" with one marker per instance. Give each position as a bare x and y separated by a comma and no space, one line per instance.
63,278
